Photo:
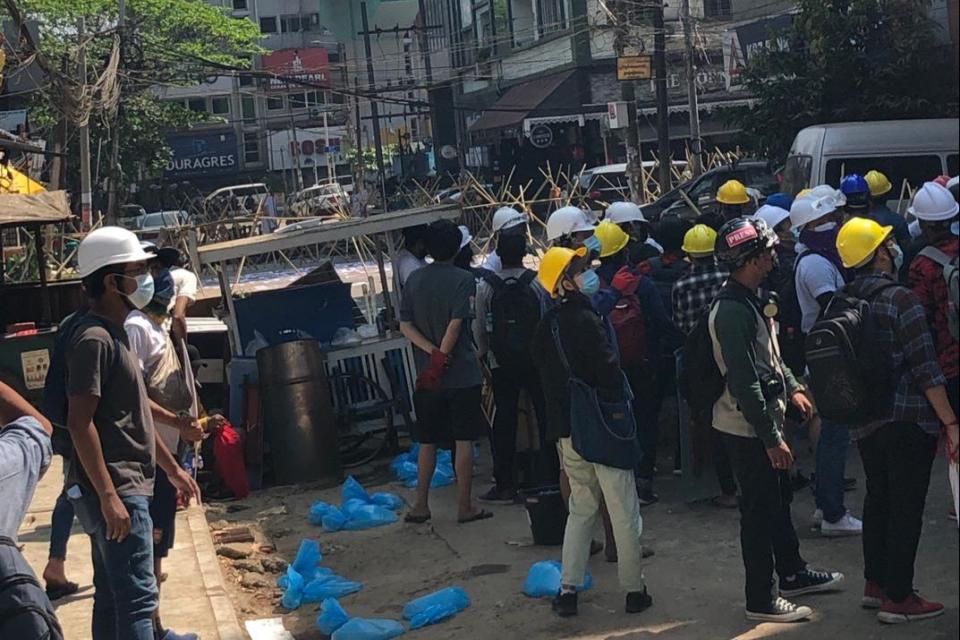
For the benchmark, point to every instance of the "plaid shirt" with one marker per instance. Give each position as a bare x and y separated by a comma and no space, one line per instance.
694,292
902,325
926,280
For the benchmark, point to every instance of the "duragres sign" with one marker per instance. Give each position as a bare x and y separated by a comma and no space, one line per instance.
202,154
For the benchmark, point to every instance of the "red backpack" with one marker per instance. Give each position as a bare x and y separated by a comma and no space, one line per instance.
628,322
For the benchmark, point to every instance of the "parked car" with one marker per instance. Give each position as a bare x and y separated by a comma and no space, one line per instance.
604,185
911,150
702,190
320,200
242,200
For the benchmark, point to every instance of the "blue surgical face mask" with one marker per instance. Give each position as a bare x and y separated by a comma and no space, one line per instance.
143,294
955,228
592,243
588,282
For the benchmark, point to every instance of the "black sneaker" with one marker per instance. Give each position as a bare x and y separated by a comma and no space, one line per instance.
780,610
565,604
499,496
810,581
645,494
638,601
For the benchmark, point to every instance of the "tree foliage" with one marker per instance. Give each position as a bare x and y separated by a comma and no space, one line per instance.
164,43
847,60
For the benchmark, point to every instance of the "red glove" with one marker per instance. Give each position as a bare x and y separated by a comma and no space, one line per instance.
429,379
626,281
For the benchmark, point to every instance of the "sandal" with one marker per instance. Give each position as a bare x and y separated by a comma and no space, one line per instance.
483,514
57,591
412,519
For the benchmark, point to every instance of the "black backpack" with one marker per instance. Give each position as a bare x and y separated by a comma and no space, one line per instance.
790,334
25,610
515,309
699,380
54,404
851,376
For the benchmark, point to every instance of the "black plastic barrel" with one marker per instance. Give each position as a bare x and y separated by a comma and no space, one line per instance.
298,415
547,514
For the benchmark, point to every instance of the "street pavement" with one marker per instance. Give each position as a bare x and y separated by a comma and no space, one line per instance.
192,598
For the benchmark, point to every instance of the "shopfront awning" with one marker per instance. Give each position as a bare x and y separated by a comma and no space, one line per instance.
514,106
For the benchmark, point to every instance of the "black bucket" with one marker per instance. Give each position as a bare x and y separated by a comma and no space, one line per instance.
547,514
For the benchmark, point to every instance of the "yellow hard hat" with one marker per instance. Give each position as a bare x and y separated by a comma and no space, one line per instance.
804,192
858,239
878,183
733,192
554,263
700,241
612,238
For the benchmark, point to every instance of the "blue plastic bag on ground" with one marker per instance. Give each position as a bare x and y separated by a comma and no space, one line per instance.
543,580
364,629
437,606
387,500
319,510
293,594
366,516
353,490
332,616
405,466
334,520
308,558
329,586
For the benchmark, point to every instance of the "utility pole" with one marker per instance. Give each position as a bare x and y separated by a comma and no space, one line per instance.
113,175
375,115
628,93
424,44
86,197
358,145
374,106
660,82
692,100
295,150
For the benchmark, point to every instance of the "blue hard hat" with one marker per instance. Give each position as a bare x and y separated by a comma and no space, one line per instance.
780,199
854,184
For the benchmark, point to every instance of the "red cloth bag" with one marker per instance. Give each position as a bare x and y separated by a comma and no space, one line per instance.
228,461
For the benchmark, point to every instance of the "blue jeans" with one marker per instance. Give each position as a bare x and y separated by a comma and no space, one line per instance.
61,522
125,590
831,462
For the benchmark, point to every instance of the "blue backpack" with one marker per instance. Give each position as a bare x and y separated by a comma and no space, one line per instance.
25,610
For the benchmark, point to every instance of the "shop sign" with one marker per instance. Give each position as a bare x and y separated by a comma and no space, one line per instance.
306,65
541,136
202,155
633,67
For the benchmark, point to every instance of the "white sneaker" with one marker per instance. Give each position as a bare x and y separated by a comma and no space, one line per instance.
845,526
817,518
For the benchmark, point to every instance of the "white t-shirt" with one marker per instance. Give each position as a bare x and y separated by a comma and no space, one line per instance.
185,283
407,263
815,276
147,342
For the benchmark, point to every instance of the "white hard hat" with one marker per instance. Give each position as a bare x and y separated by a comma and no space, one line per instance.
506,217
933,203
107,246
465,236
808,208
826,191
566,221
621,212
771,215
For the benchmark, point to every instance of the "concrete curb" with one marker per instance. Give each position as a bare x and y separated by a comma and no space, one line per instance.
228,627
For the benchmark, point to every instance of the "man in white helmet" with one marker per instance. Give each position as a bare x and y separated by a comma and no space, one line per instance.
570,227
818,274
628,217
506,222
110,480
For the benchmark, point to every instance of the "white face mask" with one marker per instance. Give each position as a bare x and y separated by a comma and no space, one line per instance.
955,228
143,294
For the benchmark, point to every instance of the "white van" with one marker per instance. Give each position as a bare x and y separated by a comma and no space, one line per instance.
913,150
